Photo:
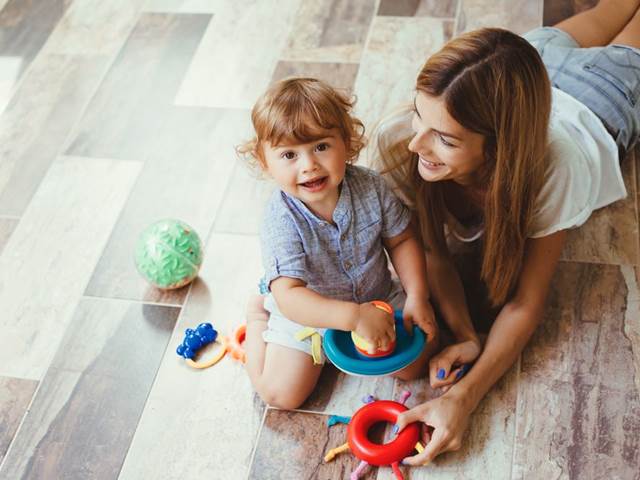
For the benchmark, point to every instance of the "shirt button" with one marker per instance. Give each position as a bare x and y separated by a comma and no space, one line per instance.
347,265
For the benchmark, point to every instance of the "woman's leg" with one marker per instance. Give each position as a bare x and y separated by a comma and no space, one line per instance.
630,34
282,376
599,25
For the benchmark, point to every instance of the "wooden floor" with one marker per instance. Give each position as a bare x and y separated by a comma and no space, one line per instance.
118,113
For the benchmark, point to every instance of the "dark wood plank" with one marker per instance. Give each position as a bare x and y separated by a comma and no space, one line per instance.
418,8
292,445
7,225
85,413
15,396
26,25
50,100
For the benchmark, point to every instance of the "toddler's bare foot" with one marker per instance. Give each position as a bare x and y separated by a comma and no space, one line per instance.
255,309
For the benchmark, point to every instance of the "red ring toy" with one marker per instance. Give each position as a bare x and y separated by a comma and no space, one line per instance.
375,454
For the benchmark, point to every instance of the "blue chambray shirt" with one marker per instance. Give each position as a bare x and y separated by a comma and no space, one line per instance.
346,261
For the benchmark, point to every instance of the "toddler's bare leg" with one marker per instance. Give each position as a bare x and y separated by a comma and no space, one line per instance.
418,368
282,376
600,24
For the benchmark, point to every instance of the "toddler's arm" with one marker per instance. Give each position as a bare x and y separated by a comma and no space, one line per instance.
409,262
306,307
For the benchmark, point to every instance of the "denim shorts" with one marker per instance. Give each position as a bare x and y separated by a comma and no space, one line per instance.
605,79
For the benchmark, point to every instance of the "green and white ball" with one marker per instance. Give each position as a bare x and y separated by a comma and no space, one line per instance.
169,254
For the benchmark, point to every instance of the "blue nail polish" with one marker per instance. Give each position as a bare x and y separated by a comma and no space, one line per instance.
441,373
460,374
395,429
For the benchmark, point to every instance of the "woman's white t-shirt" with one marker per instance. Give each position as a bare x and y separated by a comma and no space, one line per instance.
583,172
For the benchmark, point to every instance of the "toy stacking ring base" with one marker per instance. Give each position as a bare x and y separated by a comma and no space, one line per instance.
373,453
341,351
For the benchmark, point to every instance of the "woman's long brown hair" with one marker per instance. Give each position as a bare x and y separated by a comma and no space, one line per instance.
494,83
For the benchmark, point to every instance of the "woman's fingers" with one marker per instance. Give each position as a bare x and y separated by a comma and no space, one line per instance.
415,414
436,446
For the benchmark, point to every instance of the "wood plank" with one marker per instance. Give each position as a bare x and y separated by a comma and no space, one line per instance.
203,423
329,31
418,8
25,27
243,45
15,397
519,16
50,100
579,398
7,226
187,152
41,281
388,69
85,413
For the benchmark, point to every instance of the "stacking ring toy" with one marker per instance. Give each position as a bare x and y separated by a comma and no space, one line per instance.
375,454
341,351
362,346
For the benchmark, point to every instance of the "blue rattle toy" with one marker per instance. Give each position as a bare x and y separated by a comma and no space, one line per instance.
194,340
341,351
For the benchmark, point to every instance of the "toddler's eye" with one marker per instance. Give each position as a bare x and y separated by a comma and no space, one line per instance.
288,155
321,147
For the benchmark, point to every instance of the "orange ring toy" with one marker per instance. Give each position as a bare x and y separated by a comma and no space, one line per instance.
234,344
375,454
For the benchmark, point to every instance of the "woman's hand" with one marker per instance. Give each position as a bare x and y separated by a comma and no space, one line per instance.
450,365
375,326
446,417
417,309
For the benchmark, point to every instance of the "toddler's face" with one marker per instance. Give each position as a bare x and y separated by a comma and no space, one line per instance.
311,172
447,150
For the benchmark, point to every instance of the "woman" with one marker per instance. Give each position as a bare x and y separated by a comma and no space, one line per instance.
512,145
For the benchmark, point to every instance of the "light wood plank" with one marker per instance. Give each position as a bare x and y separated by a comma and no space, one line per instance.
50,256
242,44
203,423
519,16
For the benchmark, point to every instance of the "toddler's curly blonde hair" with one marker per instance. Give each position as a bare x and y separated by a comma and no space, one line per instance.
301,110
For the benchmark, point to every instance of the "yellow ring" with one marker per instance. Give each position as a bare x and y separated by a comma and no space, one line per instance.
212,361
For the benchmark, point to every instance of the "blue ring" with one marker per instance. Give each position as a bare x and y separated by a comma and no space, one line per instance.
341,351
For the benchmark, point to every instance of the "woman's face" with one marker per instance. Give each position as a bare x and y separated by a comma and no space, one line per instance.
447,150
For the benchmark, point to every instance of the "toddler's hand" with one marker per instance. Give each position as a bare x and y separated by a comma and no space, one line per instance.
418,310
375,326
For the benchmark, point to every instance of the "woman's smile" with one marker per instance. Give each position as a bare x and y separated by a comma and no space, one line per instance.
430,165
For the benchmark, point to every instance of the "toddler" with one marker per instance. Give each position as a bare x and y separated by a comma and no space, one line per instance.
325,233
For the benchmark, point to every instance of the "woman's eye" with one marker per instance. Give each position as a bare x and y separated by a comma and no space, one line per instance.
322,147
444,142
289,155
